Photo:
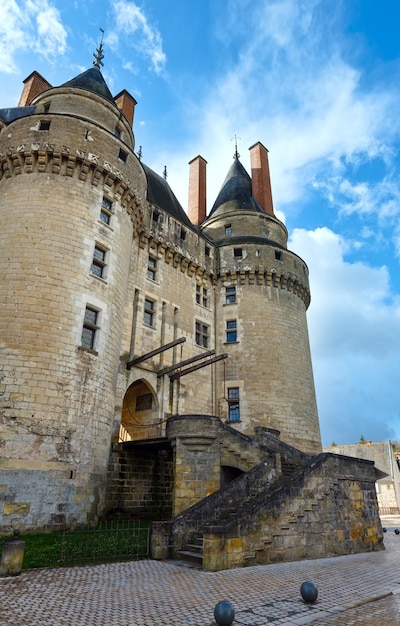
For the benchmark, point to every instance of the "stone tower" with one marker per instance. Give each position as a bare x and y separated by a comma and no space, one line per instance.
262,294
71,196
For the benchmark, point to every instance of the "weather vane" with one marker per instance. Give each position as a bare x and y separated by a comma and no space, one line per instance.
99,56
165,173
236,155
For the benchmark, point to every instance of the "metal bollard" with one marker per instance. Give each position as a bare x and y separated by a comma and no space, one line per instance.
12,556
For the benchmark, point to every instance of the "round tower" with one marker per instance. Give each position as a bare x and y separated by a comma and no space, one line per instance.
262,294
71,192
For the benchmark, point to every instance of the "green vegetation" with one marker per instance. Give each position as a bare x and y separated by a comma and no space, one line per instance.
111,541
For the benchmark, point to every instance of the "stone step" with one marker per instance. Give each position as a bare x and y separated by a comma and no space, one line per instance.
189,555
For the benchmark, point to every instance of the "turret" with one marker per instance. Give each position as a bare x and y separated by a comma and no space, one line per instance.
71,204
262,293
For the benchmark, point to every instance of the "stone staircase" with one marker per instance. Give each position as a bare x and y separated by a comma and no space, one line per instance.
289,506
231,501
192,554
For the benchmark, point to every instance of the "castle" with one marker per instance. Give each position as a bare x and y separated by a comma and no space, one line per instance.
143,345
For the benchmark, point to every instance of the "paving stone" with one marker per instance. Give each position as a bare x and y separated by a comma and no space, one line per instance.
356,590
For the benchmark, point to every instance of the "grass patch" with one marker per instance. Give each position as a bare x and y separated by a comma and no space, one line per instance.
109,541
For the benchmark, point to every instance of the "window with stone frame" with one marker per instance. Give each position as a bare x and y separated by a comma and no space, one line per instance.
231,331
152,267
233,404
202,334
202,296
230,295
106,211
99,264
149,312
90,328
144,402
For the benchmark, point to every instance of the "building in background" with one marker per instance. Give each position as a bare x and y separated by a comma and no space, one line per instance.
385,457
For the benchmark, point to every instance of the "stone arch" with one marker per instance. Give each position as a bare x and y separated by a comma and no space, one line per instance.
229,473
139,416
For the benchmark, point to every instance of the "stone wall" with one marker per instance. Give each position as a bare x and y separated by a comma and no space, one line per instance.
140,483
387,485
328,509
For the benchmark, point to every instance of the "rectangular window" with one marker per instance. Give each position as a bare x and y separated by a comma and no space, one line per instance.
207,250
99,262
90,328
117,132
278,255
149,307
44,125
151,267
228,230
155,216
183,234
122,155
202,296
233,404
231,331
202,334
106,211
230,295
237,252
144,402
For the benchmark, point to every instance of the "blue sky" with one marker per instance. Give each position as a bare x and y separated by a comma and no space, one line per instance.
317,82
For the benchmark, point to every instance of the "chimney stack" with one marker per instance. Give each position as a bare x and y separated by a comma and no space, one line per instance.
126,104
34,84
197,190
260,177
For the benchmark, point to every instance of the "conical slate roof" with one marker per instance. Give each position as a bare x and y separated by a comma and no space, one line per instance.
236,193
91,80
161,194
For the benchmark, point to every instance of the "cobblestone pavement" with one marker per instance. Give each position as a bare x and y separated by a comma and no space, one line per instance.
361,589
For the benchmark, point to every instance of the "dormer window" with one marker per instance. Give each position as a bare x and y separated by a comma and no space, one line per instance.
183,234
117,132
46,108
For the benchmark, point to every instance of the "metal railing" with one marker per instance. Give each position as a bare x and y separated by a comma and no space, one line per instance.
110,541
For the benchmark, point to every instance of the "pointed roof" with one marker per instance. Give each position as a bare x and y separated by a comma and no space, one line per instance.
160,193
92,80
236,193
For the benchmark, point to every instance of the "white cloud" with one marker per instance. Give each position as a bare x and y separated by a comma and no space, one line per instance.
29,25
353,322
52,36
132,25
362,197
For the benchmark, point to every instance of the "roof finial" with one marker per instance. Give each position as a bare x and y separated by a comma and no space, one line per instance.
99,56
165,174
236,155
139,153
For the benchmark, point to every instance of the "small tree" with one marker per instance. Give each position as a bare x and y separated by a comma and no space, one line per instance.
362,439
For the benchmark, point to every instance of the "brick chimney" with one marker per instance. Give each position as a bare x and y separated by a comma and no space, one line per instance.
34,84
197,190
126,104
260,178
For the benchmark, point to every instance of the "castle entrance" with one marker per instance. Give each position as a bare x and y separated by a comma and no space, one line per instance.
139,413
